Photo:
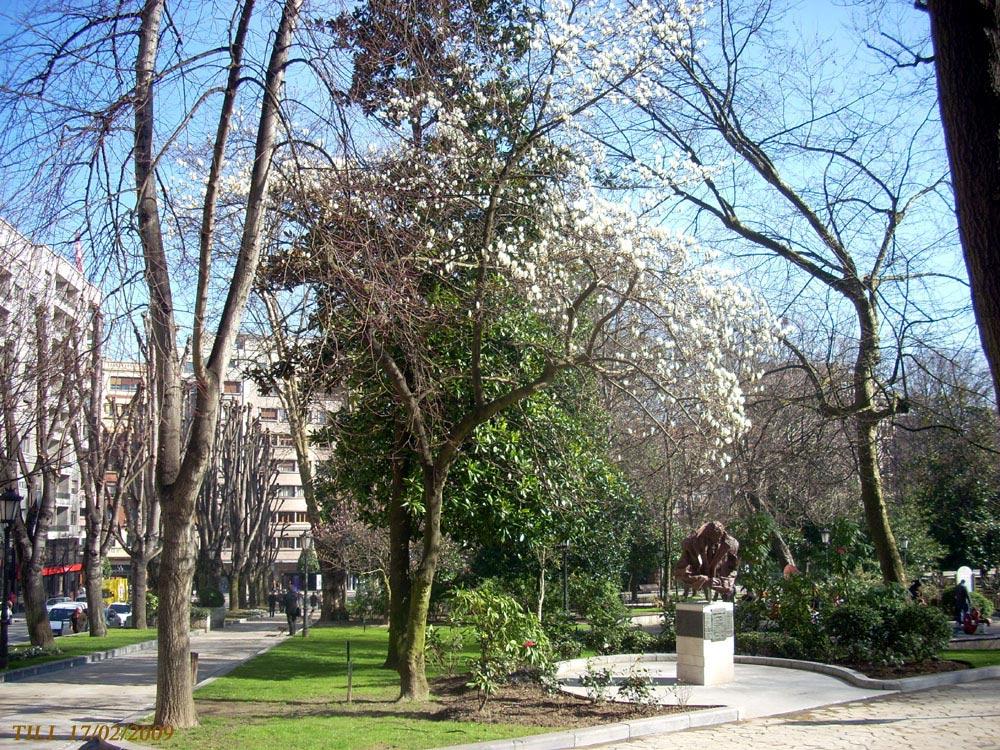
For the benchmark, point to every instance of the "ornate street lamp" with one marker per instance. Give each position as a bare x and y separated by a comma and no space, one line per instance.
10,510
564,547
824,535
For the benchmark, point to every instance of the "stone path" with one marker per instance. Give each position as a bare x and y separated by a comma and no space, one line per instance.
118,690
962,716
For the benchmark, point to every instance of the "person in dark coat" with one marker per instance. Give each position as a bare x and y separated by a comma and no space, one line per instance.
962,602
291,602
272,602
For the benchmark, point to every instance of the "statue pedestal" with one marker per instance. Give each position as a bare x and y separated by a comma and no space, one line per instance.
705,643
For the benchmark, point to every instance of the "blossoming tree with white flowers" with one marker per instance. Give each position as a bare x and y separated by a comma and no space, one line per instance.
481,211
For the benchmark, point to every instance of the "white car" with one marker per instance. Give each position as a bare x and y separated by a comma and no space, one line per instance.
119,614
54,600
61,617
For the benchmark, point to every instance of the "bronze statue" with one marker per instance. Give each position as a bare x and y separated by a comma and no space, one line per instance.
709,560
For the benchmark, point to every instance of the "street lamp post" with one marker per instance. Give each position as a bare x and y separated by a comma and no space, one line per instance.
904,546
306,547
10,508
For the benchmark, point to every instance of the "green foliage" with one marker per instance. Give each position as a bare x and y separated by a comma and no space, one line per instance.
637,687
308,562
560,628
199,613
597,680
758,569
509,637
887,632
444,648
210,598
105,567
602,606
152,605
777,645
371,600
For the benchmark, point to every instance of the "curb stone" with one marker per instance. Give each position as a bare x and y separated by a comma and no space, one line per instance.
617,732
850,676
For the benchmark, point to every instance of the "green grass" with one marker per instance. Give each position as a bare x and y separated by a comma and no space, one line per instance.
295,696
977,657
78,645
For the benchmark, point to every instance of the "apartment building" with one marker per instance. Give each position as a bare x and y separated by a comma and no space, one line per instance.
47,308
123,379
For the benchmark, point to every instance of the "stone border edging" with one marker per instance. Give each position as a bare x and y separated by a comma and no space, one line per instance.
850,676
13,675
617,732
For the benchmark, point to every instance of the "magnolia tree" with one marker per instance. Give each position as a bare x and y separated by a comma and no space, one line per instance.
476,254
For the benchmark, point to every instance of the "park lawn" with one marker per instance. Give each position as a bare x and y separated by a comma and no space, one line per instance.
81,644
977,657
295,696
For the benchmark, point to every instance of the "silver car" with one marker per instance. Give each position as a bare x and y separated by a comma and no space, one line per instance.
119,614
61,617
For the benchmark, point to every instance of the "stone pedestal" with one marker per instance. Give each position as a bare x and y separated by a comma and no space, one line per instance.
705,643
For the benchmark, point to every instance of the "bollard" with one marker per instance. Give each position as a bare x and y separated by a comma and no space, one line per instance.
350,674
194,668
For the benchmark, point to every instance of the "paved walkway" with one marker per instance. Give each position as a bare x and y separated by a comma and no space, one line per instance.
118,690
962,716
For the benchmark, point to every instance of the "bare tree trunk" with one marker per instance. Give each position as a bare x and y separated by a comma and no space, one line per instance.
140,579
966,37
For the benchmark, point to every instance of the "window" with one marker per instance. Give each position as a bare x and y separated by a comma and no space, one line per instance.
269,414
125,383
289,490
287,467
234,387
288,542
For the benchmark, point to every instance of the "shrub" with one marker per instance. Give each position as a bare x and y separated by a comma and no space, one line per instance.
444,649
637,687
855,632
509,637
918,632
608,616
210,598
597,681
637,641
199,613
152,605
562,634
371,600
769,644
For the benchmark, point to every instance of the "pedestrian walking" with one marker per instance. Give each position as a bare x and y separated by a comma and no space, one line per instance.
961,602
272,602
292,612
313,601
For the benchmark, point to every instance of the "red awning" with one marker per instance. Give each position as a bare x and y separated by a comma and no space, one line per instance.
56,570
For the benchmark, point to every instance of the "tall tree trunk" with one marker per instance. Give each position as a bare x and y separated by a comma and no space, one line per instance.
400,533
966,37
140,580
32,556
95,583
174,700
779,547
235,590
411,668
866,426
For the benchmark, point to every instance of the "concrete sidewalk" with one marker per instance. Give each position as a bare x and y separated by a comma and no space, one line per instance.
118,690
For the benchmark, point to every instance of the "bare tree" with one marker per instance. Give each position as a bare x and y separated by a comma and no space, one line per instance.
826,184
102,94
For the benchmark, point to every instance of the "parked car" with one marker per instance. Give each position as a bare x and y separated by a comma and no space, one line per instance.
61,617
119,614
54,600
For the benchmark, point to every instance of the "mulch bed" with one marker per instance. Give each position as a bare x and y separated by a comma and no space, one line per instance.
527,703
913,669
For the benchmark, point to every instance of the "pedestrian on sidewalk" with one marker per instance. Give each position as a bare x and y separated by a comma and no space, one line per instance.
292,611
272,602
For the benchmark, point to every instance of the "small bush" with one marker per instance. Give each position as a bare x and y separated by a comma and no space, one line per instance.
597,681
152,605
371,600
854,632
199,613
444,649
610,624
637,641
777,645
919,632
637,687
210,598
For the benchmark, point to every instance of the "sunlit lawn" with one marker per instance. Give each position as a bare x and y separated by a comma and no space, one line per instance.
977,657
78,645
295,696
